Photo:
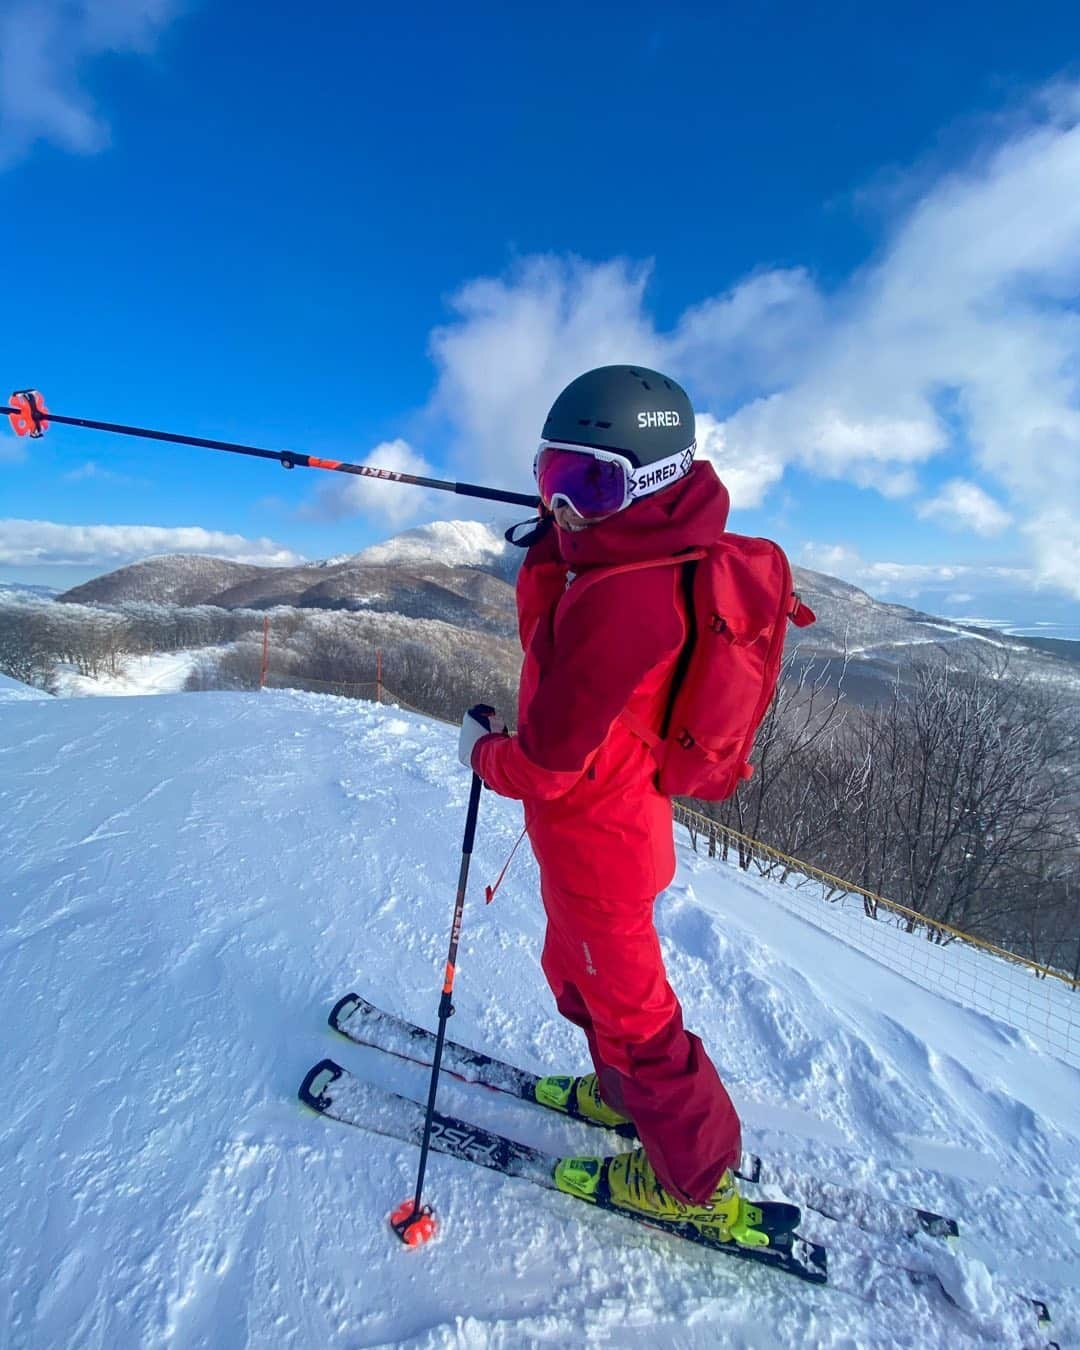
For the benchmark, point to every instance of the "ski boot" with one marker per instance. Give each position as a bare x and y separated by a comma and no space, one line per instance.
628,1182
580,1098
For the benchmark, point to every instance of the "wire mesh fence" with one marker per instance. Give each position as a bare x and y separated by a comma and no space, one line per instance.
372,691
1034,998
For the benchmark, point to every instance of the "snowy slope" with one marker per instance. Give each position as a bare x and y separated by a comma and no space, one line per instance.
160,673
10,690
188,884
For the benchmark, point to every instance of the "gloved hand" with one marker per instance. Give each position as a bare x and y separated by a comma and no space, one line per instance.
477,722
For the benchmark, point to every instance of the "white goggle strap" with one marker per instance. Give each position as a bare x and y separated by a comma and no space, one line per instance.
661,474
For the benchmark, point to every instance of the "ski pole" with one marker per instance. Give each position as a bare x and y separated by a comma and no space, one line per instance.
29,417
412,1221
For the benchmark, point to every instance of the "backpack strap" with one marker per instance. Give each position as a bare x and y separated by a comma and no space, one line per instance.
633,723
583,580
640,729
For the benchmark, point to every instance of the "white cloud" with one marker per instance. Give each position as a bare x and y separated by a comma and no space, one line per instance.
45,46
963,331
835,560
747,473
517,341
92,469
964,505
908,581
44,543
385,502
760,335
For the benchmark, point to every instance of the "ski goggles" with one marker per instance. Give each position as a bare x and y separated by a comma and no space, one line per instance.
597,483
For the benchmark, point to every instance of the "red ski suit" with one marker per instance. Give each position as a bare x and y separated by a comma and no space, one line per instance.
600,829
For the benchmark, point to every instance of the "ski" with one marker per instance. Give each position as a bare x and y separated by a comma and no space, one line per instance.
334,1092
364,1024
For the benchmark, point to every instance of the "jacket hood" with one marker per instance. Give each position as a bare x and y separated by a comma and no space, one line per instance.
690,514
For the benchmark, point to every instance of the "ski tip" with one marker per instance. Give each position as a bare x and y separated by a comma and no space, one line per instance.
750,1168
317,1080
342,1009
937,1225
818,1258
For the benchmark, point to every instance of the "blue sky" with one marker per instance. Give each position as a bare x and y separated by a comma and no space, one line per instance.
393,233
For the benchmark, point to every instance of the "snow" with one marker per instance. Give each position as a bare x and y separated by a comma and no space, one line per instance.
16,592
12,690
160,673
449,543
191,881
967,633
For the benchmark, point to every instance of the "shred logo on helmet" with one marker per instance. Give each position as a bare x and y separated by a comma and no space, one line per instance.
639,413
613,435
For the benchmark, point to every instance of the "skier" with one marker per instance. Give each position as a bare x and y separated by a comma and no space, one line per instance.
617,476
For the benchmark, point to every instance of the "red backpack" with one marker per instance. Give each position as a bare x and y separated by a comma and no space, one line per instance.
740,600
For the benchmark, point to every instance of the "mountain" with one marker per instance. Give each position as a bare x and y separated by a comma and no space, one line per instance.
456,571
167,579
12,592
191,882
461,573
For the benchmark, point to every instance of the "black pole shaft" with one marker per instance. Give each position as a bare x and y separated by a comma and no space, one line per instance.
291,459
446,1002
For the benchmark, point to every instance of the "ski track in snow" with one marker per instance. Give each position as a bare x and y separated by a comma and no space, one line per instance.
190,881
159,673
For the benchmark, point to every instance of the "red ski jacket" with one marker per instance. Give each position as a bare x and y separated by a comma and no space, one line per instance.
596,821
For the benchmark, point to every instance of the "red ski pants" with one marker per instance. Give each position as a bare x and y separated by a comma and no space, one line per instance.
602,960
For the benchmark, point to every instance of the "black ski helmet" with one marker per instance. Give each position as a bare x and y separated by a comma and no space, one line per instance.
638,412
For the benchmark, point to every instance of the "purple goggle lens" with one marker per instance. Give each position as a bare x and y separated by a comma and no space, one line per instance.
593,487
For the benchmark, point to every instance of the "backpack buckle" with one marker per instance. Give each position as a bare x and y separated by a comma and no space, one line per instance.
802,616
720,626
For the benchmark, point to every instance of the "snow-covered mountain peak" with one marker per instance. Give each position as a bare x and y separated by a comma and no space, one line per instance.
450,543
